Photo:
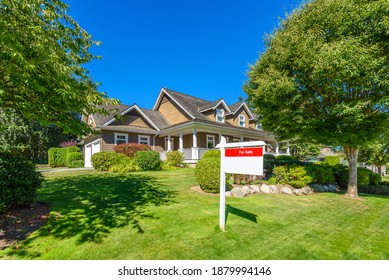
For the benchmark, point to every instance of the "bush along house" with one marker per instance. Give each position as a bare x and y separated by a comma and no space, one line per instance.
177,121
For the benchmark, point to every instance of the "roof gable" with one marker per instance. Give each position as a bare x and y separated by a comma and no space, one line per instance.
237,106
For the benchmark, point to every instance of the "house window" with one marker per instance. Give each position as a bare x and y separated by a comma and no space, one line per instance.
143,139
121,138
219,115
258,126
210,141
242,120
167,143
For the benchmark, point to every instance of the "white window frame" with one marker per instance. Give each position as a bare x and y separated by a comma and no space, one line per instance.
242,120
258,126
213,141
220,114
144,136
120,134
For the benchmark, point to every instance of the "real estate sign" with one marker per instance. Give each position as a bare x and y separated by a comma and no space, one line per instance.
238,158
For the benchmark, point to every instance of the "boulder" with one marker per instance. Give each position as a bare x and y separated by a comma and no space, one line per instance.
297,192
246,189
265,188
274,189
306,190
238,192
286,190
228,194
255,188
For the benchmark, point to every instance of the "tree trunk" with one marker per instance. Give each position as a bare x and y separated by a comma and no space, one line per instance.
379,167
352,157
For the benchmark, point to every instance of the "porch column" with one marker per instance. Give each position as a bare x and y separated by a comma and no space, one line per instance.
287,148
241,139
181,142
195,149
169,143
220,137
277,148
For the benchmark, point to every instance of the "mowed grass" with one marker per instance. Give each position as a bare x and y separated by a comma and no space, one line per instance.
157,216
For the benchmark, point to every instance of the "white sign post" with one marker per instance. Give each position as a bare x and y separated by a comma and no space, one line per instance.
237,158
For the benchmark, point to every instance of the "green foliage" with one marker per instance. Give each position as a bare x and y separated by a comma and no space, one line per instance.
304,151
74,159
284,157
321,174
18,181
207,173
268,157
332,160
130,149
323,76
124,165
104,160
148,160
42,64
174,158
365,177
212,154
293,175
58,156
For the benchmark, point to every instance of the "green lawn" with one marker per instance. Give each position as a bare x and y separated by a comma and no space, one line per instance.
156,215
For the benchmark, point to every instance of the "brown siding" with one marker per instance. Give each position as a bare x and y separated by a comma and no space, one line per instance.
108,139
241,111
210,115
172,112
133,118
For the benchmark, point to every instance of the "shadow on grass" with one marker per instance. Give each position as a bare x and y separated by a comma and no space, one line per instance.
90,207
238,212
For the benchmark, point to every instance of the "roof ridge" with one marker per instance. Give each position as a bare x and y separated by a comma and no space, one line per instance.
185,94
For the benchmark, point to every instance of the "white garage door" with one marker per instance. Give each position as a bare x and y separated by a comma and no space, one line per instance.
90,150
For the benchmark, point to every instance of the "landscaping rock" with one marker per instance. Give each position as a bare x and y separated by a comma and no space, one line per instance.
274,189
265,188
286,190
306,190
255,188
228,194
246,189
238,192
297,192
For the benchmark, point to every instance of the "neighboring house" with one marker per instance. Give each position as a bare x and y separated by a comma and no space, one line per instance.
177,122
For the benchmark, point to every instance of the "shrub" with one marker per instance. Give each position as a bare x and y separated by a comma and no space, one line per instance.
174,158
268,157
18,181
379,189
332,160
321,174
130,149
284,157
124,165
365,177
148,160
74,160
293,175
207,174
212,154
57,156
104,160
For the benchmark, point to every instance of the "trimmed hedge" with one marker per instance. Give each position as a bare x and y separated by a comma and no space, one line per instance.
75,160
104,160
124,165
207,173
174,158
284,157
365,177
148,160
212,154
58,156
18,181
130,149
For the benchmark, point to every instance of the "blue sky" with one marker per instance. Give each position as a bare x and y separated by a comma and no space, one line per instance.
202,48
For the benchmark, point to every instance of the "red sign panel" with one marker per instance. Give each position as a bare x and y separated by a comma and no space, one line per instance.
244,152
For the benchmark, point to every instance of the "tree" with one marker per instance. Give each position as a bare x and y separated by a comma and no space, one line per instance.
324,76
28,138
376,154
303,151
43,51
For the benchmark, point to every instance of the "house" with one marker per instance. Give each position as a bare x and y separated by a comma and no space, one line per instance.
176,122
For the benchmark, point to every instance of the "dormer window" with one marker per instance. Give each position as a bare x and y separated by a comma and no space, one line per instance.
258,126
219,115
242,120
